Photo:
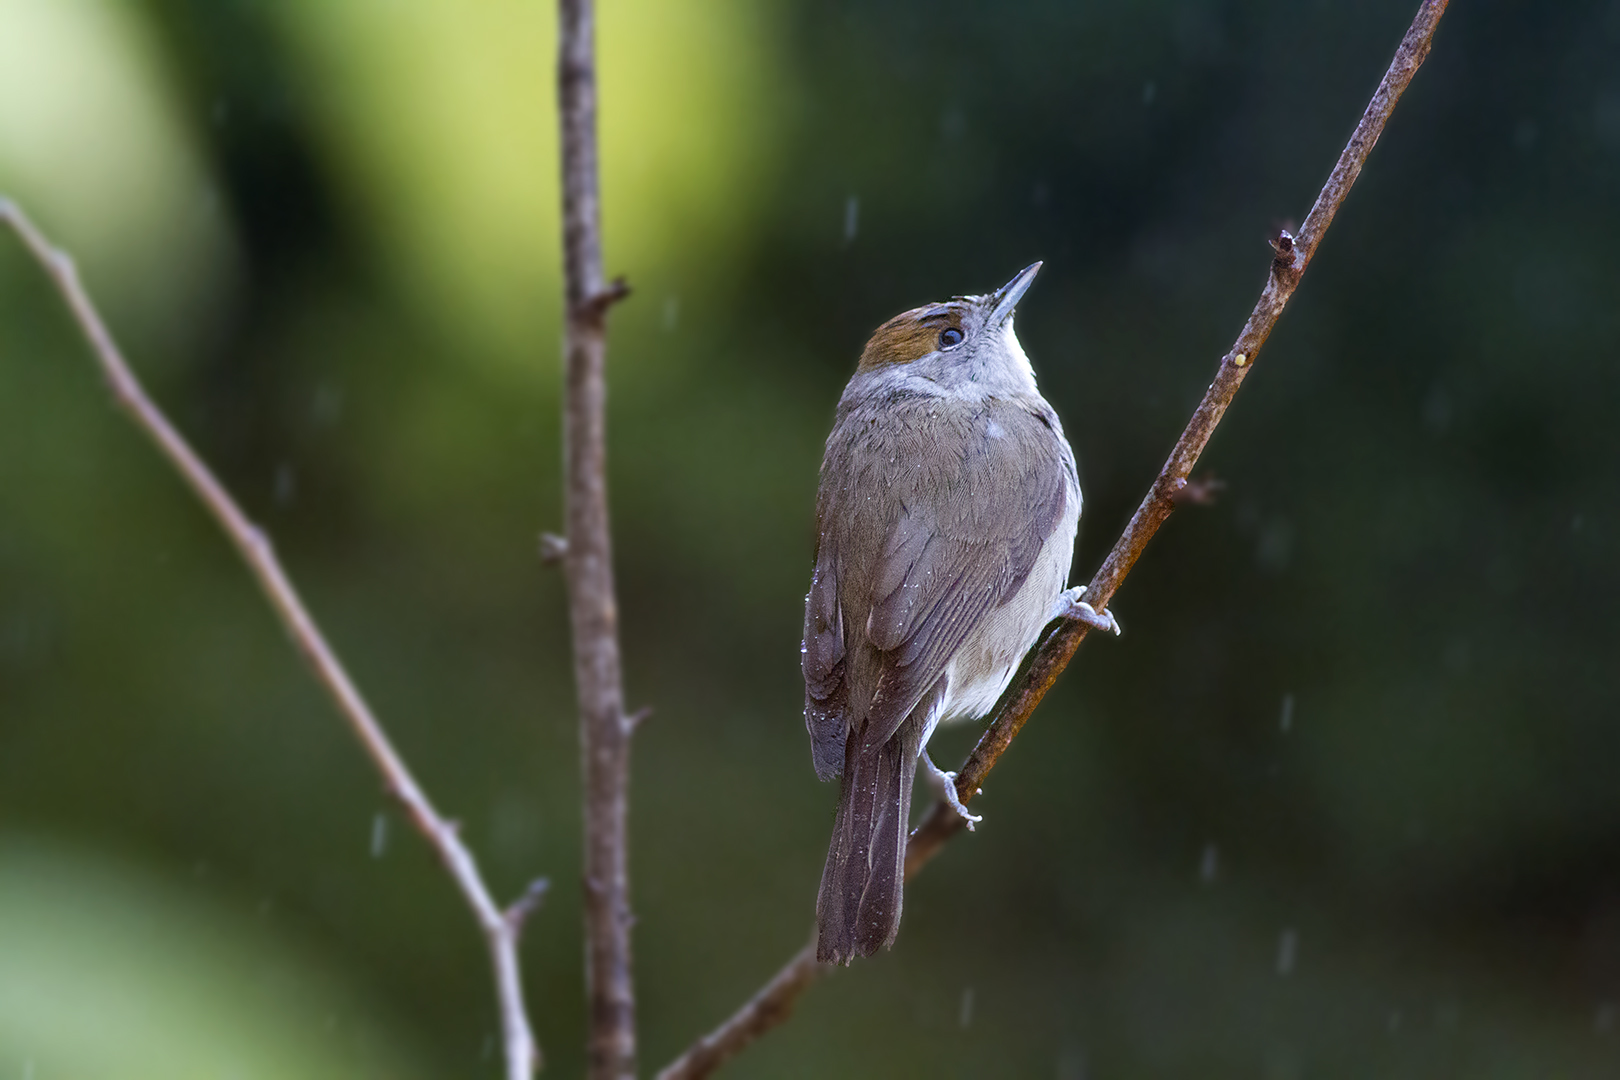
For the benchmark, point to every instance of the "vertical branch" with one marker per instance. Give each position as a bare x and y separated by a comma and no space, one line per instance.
593,609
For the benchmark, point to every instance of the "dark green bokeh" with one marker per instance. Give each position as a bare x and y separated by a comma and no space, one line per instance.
1415,874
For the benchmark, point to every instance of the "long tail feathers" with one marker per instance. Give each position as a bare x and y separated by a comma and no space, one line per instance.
858,909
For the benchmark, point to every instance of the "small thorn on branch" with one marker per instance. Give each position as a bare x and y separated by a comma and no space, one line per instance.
598,302
1199,491
527,904
633,722
553,548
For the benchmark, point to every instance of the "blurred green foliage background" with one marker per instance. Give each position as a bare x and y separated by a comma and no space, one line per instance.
1343,802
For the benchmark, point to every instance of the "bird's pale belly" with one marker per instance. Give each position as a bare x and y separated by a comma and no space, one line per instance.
988,659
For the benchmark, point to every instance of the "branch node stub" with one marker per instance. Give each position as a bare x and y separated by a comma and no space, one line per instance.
553,548
527,904
597,303
633,721
1286,258
1169,488
1199,492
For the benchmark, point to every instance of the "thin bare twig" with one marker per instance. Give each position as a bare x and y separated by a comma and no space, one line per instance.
501,929
588,564
1292,255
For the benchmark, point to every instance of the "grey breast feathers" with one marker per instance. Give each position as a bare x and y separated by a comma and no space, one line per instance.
931,513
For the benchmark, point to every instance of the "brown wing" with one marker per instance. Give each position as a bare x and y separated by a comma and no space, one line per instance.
822,659
929,520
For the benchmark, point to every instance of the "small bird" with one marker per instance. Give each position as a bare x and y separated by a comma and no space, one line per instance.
946,518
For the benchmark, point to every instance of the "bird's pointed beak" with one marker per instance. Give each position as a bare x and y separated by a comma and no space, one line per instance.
1004,299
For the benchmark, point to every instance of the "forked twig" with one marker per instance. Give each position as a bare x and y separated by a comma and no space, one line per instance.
501,928
1292,254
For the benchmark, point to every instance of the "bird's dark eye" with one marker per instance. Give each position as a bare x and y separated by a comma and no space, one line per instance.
949,336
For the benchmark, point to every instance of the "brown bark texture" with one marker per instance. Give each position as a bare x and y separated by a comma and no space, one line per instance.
588,564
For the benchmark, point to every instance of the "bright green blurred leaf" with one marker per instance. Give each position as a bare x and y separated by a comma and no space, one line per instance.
107,974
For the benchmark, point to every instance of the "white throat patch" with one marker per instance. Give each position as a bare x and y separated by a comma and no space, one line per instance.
1016,352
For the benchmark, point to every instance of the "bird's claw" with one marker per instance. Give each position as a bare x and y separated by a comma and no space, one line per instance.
945,780
1070,606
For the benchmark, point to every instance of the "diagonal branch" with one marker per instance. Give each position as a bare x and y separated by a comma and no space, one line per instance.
501,928
588,564
774,1003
